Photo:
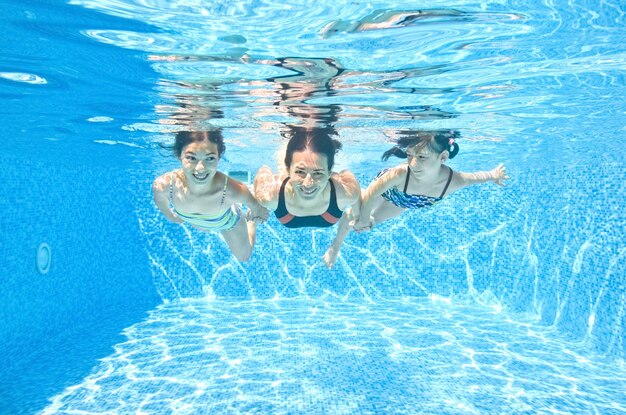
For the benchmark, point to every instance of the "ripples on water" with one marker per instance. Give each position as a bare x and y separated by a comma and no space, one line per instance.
271,62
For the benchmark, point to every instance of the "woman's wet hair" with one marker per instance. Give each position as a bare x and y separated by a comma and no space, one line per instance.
437,141
317,140
184,138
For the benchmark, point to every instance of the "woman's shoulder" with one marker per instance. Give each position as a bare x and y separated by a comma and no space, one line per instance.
346,185
267,186
344,177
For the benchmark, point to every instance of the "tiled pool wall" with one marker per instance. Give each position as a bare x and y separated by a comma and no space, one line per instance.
541,245
55,325
552,248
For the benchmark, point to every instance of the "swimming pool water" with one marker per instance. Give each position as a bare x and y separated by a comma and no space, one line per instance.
497,301
310,356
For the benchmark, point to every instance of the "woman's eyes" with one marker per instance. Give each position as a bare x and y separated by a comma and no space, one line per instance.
314,174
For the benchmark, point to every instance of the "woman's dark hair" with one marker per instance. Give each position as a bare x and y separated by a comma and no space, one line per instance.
317,140
437,140
184,138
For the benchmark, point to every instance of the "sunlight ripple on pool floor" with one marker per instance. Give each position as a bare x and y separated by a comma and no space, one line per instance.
305,357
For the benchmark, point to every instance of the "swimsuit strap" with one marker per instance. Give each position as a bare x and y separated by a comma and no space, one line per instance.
333,207
171,189
406,182
224,191
445,189
447,184
282,206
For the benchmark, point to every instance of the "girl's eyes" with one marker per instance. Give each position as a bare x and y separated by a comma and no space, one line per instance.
209,159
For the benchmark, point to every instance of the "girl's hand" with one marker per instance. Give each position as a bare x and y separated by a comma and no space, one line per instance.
258,215
498,175
363,225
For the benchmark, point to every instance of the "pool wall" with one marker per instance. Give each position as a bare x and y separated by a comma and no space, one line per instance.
55,325
62,188
535,247
551,244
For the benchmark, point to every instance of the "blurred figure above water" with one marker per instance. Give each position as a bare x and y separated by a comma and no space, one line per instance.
389,19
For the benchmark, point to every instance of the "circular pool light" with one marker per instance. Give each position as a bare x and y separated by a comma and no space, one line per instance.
44,256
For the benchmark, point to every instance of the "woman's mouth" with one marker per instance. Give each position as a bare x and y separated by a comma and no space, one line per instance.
308,191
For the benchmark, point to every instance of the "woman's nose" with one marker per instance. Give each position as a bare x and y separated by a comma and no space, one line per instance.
200,166
307,180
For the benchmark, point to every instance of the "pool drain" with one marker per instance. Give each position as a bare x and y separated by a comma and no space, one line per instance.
43,258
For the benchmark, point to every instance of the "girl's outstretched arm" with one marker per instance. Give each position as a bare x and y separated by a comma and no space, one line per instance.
161,196
497,175
370,196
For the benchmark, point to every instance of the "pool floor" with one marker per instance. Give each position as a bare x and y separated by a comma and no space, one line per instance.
416,356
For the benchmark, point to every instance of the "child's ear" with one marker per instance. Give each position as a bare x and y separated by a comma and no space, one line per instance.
444,156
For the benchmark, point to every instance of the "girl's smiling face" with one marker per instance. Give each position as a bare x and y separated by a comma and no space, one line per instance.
309,174
199,161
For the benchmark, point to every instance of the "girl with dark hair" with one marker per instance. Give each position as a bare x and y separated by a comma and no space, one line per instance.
206,198
309,193
424,178
421,182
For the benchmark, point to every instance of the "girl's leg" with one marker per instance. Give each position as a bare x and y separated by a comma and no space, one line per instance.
240,240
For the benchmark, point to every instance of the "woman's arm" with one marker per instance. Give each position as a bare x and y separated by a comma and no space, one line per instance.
348,200
348,192
160,194
266,188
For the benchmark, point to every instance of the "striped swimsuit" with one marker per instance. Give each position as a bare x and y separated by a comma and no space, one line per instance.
410,201
214,222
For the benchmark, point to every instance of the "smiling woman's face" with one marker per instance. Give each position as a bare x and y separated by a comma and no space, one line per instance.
309,174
